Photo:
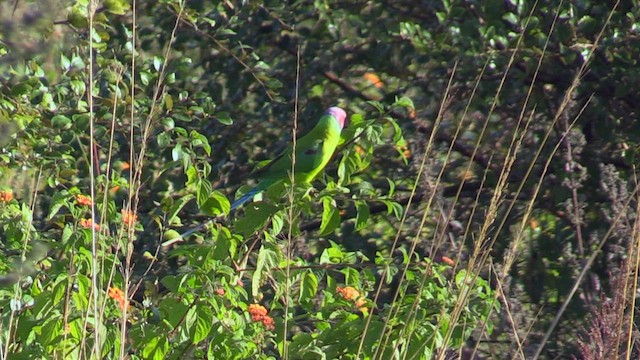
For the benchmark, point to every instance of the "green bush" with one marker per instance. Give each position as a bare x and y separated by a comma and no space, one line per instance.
487,161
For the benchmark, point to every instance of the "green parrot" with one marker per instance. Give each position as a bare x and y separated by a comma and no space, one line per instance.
313,152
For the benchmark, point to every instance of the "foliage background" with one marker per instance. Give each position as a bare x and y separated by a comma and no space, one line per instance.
215,93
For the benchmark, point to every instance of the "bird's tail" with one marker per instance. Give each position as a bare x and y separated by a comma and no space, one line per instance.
196,228
246,197
243,199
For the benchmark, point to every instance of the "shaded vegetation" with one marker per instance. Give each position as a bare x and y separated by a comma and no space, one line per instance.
485,186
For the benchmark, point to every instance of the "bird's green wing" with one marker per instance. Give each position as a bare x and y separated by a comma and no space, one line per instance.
313,152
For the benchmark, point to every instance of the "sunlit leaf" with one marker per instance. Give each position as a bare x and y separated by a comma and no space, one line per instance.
330,217
362,216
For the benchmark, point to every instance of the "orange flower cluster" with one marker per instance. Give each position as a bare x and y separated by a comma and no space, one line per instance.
349,293
449,261
6,196
83,200
259,313
268,323
125,165
86,223
373,79
128,217
118,295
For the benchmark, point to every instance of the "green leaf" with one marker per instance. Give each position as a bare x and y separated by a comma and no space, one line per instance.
330,217
145,77
27,215
377,105
405,102
461,278
277,222
192,175
65,63
156,348
257,273
222,245
157,63
78,87
168,101
164,140
118,7
203,192
177,153
78,63
173,310
50,331
225,31
342,171
202,325
81,295
78,16
168,123
357,121
61,122
199,140
176,207
351,276
397,132
510,18
216,204
255,217
66,233
170,235
392,187
332,255
171,282
362,216
224,118
308,287
317,91
393,208
59,200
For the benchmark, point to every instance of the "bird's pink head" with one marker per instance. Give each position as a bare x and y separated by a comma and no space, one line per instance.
339,114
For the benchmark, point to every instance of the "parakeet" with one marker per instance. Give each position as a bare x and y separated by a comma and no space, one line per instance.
312,153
